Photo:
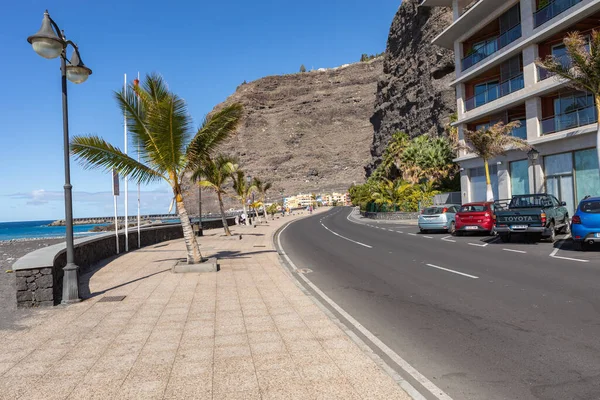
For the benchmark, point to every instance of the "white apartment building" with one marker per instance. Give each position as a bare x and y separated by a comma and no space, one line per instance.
495,43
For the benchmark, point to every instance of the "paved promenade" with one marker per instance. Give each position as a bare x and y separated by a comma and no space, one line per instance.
246,332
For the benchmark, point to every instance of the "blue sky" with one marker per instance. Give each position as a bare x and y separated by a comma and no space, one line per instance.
203,49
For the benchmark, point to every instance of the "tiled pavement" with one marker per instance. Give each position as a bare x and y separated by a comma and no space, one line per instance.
245,332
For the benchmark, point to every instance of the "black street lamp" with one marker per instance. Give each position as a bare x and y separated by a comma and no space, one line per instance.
50,42
533,156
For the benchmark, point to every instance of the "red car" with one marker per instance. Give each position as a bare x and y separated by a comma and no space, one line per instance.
475,217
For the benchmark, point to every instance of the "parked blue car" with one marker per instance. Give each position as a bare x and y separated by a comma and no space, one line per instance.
585,224
438,218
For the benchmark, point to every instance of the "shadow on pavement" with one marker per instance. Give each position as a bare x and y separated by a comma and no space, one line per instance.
84,284
238,254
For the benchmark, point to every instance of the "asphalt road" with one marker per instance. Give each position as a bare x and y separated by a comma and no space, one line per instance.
479,318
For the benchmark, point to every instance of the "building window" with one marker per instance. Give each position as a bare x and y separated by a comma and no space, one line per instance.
551,10
510,30
587,178
519,177
570,111
477,186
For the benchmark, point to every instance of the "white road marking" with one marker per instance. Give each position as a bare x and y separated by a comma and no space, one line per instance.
571,259
453,271
445,239
344,237
553,254
428,237
399,231
403,364
515,251
391,230
411,234
477,244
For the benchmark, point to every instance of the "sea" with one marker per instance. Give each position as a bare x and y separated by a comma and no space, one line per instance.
40,229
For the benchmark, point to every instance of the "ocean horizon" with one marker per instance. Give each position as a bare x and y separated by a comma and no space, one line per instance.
40,230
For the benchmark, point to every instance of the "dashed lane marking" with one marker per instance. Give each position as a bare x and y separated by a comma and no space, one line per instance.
445,239
344,237
411,234
478,244
428,237
453,271
515,251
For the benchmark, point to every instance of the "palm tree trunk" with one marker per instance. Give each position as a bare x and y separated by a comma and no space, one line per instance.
223,218
193,251
489,193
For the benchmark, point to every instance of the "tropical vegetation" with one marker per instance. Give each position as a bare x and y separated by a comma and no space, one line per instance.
411,172
158,119
262,188
243,189
583,70
215,174
492,141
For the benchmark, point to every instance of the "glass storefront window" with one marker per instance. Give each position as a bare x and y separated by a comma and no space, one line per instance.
586,173
519,177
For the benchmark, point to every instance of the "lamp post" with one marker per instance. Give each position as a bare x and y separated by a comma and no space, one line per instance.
533,156
50,42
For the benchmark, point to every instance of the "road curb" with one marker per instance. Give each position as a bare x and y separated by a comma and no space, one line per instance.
291,270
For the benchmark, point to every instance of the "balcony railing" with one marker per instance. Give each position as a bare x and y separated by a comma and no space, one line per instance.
564,59
572,119
491,46
508,86
520,132
551,10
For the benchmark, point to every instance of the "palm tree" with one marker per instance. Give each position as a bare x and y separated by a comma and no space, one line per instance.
214,174
158,119
581,72
492,141
390,193
262,188
242,188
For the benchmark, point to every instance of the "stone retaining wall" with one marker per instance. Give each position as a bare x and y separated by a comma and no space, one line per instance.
39,274
390,215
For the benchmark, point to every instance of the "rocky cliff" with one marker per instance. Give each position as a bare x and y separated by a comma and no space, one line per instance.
413,94
305,132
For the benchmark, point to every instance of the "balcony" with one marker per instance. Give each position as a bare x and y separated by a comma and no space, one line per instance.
569,120
491,46
551,10
504,88
564,60
520,132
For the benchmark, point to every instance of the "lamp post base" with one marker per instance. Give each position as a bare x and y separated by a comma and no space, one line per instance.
70,284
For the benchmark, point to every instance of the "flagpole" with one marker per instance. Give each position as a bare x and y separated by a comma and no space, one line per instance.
138,185
115,188
126,179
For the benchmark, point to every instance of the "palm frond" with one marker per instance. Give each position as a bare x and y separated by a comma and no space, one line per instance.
214,130
95,152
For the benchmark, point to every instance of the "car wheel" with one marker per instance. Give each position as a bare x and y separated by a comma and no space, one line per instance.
505,238
452,228
552,237
423,230
457,233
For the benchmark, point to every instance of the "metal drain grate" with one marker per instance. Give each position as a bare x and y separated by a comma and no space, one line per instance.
259,245
108,299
